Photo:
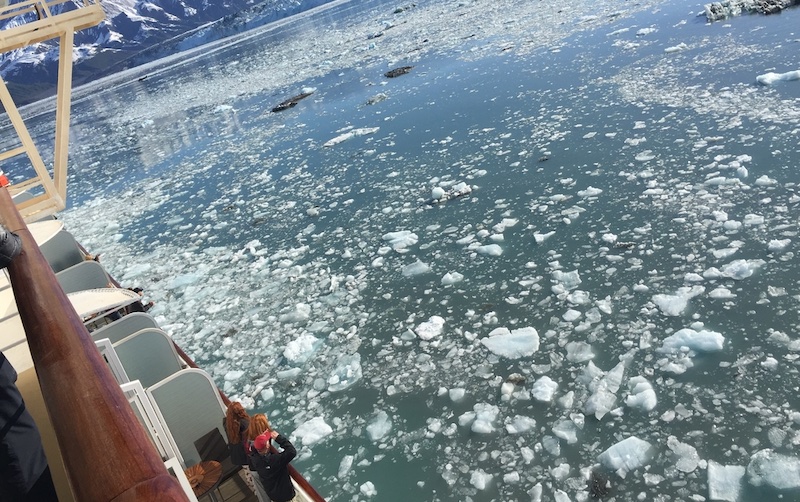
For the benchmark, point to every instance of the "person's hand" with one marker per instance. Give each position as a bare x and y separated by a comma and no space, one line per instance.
273,434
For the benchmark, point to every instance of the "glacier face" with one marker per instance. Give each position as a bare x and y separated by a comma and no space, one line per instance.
134,32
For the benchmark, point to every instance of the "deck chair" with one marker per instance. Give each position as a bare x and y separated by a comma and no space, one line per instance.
148,356
62,251
124,327
82,276
190,406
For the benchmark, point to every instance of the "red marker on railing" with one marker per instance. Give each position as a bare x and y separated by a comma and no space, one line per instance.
3,179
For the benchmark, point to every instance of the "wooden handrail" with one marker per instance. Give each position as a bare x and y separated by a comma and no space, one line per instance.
107,454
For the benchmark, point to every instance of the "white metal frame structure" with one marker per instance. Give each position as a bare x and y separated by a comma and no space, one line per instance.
47,26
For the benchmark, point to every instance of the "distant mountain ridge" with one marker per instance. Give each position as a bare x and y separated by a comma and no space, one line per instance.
135,32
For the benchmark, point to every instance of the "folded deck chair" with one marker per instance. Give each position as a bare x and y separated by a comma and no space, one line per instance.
82,276
126,326
62,251
189,405
98,301
148,356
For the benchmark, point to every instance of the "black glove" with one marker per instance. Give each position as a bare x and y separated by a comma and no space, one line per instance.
10,246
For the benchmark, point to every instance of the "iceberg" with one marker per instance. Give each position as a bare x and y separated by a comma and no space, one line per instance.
627,455
512,344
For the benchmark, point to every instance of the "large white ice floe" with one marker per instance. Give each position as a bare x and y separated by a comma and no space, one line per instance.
431,328
674,305
513,344
482,419
379,427
627,455
401,240
351,134
697,341
724,481
346,373
312,431
604,387
642,395
770,78
767,468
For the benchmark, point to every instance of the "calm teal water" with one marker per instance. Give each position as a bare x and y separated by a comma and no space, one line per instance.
593,142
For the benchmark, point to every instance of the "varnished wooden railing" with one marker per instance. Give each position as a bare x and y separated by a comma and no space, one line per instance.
107,454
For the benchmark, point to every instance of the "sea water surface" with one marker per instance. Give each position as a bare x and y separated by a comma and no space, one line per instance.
614,291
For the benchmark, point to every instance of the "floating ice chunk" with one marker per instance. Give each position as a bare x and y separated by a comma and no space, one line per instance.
579,352
481,419
512,344
765,180
688,459
627,455
645,156
778,245
480,479
431,328
300,314
722,293
604,390
674,305
536,492
379,427
451,278
346,373
590,192
642,395
698,341
437,193
770,363
540,237
566,430
417,268
456,394
401,240
568,280
520,424
741,269
184,280
578,297
368,489
233,375
345,465
490,250
724,481
511,477
676,48
724,253
773,469
313,431
351,134
561,496
646,31
543,389
571,315
772,77
503,225
752,220
300,350
610,238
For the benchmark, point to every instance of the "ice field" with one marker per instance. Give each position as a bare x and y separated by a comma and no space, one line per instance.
563,243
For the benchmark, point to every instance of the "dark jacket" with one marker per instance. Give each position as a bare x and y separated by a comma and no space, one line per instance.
273,469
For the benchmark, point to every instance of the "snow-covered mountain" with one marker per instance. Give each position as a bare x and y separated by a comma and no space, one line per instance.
135,32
